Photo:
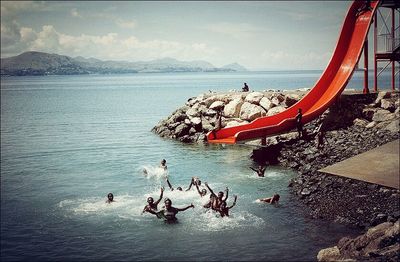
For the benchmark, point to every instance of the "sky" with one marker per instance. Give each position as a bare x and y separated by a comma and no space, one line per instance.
260,35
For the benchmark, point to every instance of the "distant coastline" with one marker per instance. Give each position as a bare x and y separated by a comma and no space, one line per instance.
40,63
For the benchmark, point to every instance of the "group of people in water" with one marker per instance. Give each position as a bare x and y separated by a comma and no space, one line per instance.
216,202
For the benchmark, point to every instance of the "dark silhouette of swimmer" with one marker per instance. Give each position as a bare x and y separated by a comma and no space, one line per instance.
194,181
216,200
151,206
110,198
213,197
224,209
170,186
272,200
168,213
299,123
163,164
260,171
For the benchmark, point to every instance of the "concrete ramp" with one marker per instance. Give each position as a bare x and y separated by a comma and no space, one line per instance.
378,166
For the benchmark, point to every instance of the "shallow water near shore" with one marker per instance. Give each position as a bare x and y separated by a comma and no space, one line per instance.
67,141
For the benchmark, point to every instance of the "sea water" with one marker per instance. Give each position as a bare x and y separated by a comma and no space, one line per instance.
67,141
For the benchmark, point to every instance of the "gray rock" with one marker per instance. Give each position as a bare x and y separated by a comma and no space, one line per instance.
232,109
182,130
217,105
360,122
192,112
266,103
382,115
250,111
291,99
275,110
305,192
254,97
393,126
388,104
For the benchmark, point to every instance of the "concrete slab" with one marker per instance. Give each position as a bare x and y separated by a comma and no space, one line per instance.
379,166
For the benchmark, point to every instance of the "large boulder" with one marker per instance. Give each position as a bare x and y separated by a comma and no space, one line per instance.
291,99
393,126
254,97
266,103
329,254
217,105
236,122
278,99
192,112
232,109
207,126
182,130
250,111
381,95
388,104
275,110
382,115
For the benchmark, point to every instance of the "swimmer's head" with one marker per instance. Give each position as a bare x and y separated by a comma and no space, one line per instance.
275,198
203,192
198,182
220,194
110,196
150,200
179,188
168,202
163,162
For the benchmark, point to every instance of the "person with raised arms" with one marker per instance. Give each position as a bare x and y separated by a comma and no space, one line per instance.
152,206
224,209
168,213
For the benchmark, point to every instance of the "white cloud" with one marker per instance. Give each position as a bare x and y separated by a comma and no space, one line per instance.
110,46
125,23
74,12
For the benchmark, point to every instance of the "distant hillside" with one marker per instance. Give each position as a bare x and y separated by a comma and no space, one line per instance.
235,67
39,63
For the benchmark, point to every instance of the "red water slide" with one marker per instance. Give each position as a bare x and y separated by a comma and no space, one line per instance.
330,85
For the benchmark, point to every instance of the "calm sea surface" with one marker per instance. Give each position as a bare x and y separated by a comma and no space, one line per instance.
67,141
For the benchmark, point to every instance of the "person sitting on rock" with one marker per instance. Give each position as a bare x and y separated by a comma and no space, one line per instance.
110,198
224,209
260,171
272,200
152,206
245,87
299,123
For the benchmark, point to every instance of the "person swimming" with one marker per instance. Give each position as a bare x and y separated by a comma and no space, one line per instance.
152,206
216,200
260,171
110,198
224,209
272,200
170,186
168,213
163,164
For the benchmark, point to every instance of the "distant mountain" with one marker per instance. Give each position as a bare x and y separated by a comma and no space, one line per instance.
39,63
235,67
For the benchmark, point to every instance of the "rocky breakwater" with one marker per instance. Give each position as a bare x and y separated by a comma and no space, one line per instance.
192,121
379,243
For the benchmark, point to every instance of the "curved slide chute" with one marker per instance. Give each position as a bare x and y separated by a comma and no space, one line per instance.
330,85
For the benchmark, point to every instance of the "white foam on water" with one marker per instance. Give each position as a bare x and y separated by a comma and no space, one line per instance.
153,172
212,221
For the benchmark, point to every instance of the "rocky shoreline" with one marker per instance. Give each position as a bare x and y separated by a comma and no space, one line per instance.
354,124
